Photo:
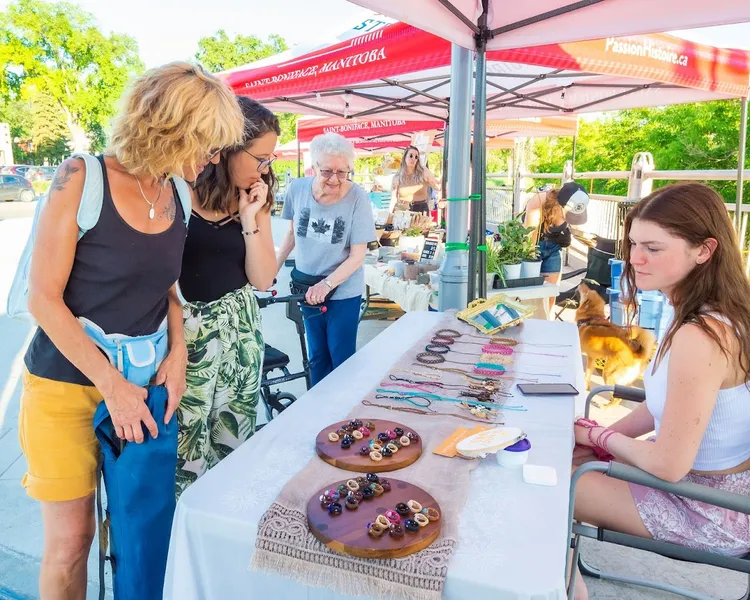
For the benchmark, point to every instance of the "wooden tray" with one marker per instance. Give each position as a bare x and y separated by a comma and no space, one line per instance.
347,533
351,460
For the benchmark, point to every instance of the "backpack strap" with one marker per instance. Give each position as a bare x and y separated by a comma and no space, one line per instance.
92,195
186,199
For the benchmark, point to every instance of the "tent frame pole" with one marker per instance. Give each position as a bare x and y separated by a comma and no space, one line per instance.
741,167
453,271
478,260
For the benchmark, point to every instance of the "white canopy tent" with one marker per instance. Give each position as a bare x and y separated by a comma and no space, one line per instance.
504,24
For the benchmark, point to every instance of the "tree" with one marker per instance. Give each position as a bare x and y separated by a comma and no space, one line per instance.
219,53
58,50
697,136
48,132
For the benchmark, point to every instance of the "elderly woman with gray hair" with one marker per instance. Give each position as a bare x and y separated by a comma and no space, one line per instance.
331,225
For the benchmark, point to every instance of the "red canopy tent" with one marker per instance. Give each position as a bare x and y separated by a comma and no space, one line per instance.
400,72
486,25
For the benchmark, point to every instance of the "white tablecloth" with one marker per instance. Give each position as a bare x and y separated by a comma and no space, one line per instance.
512,542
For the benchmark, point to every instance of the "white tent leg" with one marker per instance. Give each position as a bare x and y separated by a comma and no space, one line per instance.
454,272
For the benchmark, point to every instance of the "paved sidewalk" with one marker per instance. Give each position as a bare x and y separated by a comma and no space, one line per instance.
20,522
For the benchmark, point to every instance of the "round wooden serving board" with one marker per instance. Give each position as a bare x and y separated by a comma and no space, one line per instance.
351,460
347,533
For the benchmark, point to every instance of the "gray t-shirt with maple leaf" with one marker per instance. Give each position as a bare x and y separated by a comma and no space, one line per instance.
324,234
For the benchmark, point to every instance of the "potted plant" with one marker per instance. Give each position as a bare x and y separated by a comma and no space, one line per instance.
494,266
531,264
411,240
512,238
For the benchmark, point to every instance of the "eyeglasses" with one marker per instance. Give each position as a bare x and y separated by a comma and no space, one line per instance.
263,163
328,173
212,155
412,156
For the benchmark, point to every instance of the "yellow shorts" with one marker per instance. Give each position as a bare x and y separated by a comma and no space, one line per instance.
56,428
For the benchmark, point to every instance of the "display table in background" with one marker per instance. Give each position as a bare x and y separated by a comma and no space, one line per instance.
409,295
513,536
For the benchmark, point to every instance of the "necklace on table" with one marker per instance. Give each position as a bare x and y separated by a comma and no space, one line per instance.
469,375
484,391
411,396
428,412
151,211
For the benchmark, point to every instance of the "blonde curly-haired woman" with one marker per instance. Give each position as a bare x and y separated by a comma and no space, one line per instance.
121,276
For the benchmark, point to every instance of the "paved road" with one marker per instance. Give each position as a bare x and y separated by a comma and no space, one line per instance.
16,210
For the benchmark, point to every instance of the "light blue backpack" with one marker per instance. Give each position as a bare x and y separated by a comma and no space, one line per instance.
88,216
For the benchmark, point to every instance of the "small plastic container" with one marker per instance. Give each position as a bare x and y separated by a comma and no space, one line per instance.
397,266
515,455
620,314
650,309
615,268
667,314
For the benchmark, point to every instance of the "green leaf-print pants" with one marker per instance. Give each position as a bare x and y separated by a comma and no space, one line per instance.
225,362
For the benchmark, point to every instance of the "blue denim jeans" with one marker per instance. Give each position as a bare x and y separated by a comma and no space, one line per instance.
331,336
551,255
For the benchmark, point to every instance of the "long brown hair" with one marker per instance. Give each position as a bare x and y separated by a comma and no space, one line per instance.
550,209
214,187
417,177
695,213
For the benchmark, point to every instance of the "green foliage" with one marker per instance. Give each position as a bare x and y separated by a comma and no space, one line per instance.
56,49
686,136
218,52
512,244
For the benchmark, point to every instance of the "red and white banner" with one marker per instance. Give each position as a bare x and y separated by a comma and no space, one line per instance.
656,57
307,129
304,83
393,50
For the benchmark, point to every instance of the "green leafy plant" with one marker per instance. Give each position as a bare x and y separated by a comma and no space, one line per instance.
513,241
412,232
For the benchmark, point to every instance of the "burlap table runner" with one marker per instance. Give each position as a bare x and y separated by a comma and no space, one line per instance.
286,546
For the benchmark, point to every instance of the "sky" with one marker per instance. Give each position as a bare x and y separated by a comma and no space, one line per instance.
168,30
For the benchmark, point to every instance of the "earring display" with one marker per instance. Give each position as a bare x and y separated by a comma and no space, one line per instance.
366,445
381,518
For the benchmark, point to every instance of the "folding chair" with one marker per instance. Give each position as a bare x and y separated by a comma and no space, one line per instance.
628,473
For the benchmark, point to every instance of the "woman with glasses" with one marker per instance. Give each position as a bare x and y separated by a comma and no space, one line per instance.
228,251
331,225
409,190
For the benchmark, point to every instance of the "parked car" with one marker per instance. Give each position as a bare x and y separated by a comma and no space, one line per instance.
30,172
15,187
47,173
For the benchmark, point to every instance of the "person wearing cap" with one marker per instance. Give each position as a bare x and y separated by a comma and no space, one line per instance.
551,213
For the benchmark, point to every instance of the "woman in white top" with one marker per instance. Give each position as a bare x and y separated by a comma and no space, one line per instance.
679,240
410,188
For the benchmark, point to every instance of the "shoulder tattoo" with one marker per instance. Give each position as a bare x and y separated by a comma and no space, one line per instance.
62,177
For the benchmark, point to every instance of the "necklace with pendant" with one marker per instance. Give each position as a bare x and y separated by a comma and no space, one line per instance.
151,211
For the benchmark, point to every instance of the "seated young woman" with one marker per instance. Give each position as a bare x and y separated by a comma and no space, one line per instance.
679,240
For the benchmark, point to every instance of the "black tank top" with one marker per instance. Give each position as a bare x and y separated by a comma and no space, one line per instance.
214,260
120,280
